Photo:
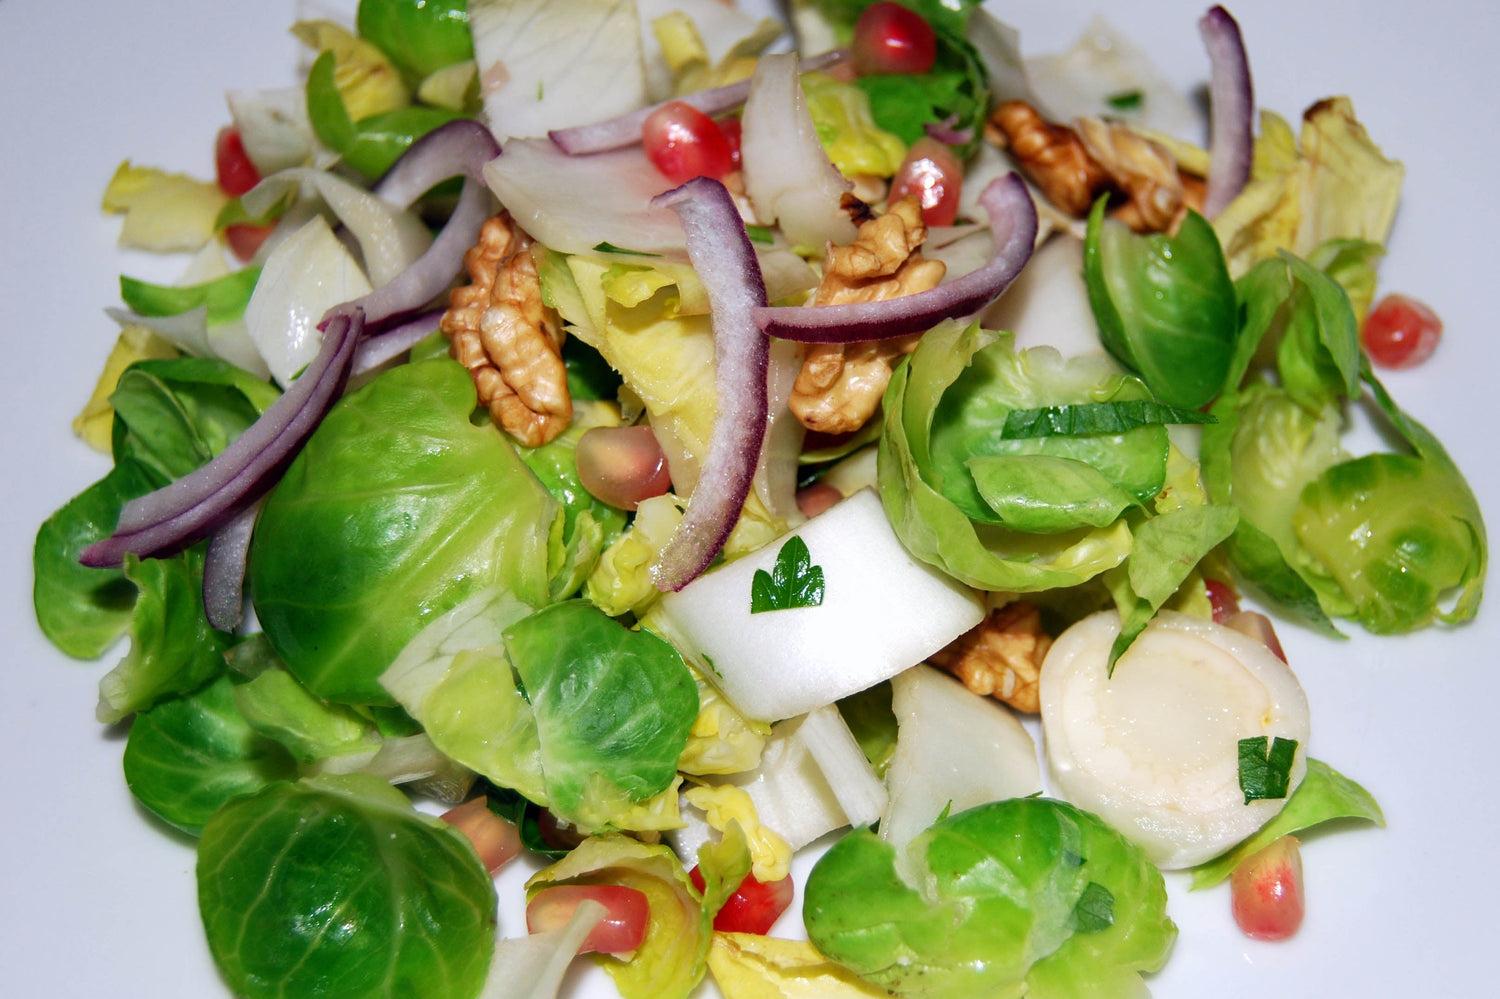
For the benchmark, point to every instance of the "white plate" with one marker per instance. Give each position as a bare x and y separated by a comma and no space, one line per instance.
99,898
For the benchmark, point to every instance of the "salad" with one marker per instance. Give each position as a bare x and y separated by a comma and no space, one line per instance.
337,682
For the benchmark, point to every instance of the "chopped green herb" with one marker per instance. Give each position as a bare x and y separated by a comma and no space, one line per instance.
1266,772
708,661
1095,911
1126,100
1084,419
794,582
759,234
612,248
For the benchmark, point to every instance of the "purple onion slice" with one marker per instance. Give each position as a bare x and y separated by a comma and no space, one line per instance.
1013,223
196,504
224,570
1231,110
625,130
376,350
720,251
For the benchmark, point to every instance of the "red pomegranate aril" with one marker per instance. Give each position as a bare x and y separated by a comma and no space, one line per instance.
495,840
245,240
683,143
1401,332
932,172
755,905
1222,598
622,929
1266,893
1258,627
233,168
622,465
733,132
816,498
890,38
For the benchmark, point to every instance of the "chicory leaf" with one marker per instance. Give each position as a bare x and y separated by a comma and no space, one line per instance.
1165,305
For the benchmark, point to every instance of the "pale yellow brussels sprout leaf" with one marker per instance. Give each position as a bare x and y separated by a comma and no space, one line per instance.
751,966
95,422
164,212
770,855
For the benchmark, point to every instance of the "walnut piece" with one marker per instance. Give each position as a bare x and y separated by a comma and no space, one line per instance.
1052,156
840,385
1143,170
1001,656
511,342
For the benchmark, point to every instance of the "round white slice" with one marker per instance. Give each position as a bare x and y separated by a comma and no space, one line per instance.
1154,748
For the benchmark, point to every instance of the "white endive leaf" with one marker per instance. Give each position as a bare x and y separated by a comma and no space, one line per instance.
302,279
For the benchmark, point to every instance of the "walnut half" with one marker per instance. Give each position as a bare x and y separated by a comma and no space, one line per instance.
1001,656
499,328
840,385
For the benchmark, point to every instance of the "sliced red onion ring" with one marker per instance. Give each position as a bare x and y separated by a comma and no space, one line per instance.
377,350
1231,110
459,148
192,507
725,261
615,133
224,570
1013,223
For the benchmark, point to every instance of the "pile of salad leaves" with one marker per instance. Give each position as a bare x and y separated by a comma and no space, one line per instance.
441,609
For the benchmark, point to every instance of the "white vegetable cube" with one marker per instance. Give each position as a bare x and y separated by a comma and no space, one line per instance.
955,750
882,612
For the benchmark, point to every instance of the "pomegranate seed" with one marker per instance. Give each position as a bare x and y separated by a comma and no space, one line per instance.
1401,332
1258,627
683,143
1265,891
932,172
1222,598
816,498
622,465
622,929
234,171
495,840
755,905
890,38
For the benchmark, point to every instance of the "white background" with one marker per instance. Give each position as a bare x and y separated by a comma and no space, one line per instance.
98,898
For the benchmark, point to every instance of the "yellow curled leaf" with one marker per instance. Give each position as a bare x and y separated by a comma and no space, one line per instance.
164,212
751,966
95,422
367,80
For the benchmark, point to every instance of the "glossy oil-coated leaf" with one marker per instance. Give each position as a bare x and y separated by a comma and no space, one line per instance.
396,510
420,36
1047,494
1165,305
187,756
338,887
613,708
173,648
998,911
83,610
1324,795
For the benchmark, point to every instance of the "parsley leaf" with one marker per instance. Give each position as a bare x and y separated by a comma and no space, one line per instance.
1081,419
1095,911
1126,100
1266,772
794,582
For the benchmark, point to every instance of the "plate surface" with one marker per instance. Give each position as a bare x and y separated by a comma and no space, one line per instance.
99,897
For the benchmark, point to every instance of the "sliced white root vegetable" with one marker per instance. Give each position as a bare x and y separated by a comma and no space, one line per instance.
812,779
954,750
1154,748
882,612
305,276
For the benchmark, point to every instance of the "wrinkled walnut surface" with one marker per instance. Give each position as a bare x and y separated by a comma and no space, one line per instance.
1001,656
511,342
